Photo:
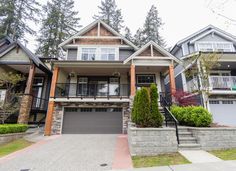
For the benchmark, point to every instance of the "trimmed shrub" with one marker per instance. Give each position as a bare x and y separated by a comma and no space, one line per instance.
135,111
143,108
12,128
155,119
195,116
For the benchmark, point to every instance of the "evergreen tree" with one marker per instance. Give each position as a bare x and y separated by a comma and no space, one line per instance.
152,25
15,16
110,14
128,34
155,119
61,22
139,38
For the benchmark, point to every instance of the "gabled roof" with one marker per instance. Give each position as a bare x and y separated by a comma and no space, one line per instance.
85,29
157,47
203,32
10,44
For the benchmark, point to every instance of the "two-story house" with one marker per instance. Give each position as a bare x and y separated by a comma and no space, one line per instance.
221,97
93,87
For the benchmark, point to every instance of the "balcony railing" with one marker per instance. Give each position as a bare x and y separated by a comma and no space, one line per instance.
223,82
70,90
192,85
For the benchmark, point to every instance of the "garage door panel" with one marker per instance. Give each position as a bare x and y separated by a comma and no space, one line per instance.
92,123
224,114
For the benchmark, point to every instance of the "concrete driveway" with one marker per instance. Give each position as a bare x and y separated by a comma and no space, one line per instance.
66,152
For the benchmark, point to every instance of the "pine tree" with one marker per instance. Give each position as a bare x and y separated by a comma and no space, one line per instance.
139,38
61,22
128,34
15,16
152,25
110,14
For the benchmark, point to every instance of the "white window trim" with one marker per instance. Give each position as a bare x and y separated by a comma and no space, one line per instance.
196,45
98,51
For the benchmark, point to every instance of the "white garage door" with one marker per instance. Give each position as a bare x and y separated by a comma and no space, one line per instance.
223,111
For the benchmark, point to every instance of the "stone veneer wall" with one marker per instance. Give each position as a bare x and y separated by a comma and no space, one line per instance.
151,141
58,112
215,138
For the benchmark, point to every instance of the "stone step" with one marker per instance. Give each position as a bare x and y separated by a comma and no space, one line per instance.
187,140
189,146
185,134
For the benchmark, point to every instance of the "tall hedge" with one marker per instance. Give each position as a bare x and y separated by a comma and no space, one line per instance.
155,119
143,108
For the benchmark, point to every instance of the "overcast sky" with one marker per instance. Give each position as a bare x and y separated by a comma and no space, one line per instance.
181,17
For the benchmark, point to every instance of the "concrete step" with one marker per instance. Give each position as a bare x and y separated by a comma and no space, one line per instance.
189,146
187,140
185,134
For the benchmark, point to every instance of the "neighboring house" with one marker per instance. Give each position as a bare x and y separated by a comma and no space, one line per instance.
222,80
14,57
93,87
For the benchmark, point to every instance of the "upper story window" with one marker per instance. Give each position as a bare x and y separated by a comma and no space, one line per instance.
215,46
108,54
88,54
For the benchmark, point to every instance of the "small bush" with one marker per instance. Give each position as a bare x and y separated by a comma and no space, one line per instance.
192,116
12,128
155,119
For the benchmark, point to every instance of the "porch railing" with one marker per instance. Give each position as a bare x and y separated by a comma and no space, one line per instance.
70,90
192,85
39,104
223,82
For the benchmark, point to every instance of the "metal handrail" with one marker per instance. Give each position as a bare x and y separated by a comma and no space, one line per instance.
168,113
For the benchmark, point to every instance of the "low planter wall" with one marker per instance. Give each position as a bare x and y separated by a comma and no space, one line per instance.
215,138
151,141
5,138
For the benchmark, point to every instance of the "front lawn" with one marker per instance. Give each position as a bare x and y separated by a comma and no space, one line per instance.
13,146
229,154
160,160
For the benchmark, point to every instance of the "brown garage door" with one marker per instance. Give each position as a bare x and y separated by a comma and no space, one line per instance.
92,121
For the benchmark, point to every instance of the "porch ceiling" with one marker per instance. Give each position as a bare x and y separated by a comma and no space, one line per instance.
24,69
95,71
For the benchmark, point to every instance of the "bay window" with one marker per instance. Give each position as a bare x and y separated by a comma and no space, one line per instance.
88,54
108,54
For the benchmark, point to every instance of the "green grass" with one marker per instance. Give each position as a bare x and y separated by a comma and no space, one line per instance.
13,146
229,154
160,160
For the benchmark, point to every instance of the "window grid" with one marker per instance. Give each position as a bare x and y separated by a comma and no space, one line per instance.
145,79
88,54
215,46
108,54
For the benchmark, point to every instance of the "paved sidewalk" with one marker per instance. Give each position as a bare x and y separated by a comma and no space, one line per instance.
199,156
213,166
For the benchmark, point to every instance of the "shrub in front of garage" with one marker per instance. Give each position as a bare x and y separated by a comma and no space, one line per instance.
195,116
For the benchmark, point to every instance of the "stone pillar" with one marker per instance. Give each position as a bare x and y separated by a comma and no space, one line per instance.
132,80
51,104
26,101
172,79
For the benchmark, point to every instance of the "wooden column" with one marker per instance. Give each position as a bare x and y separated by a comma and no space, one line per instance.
172,79
26,101
51,104
132,80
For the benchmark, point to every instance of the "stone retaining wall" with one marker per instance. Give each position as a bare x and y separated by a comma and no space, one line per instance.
5,138
151,141
215,138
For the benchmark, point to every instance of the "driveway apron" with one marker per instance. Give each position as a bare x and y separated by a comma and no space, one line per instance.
67,152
